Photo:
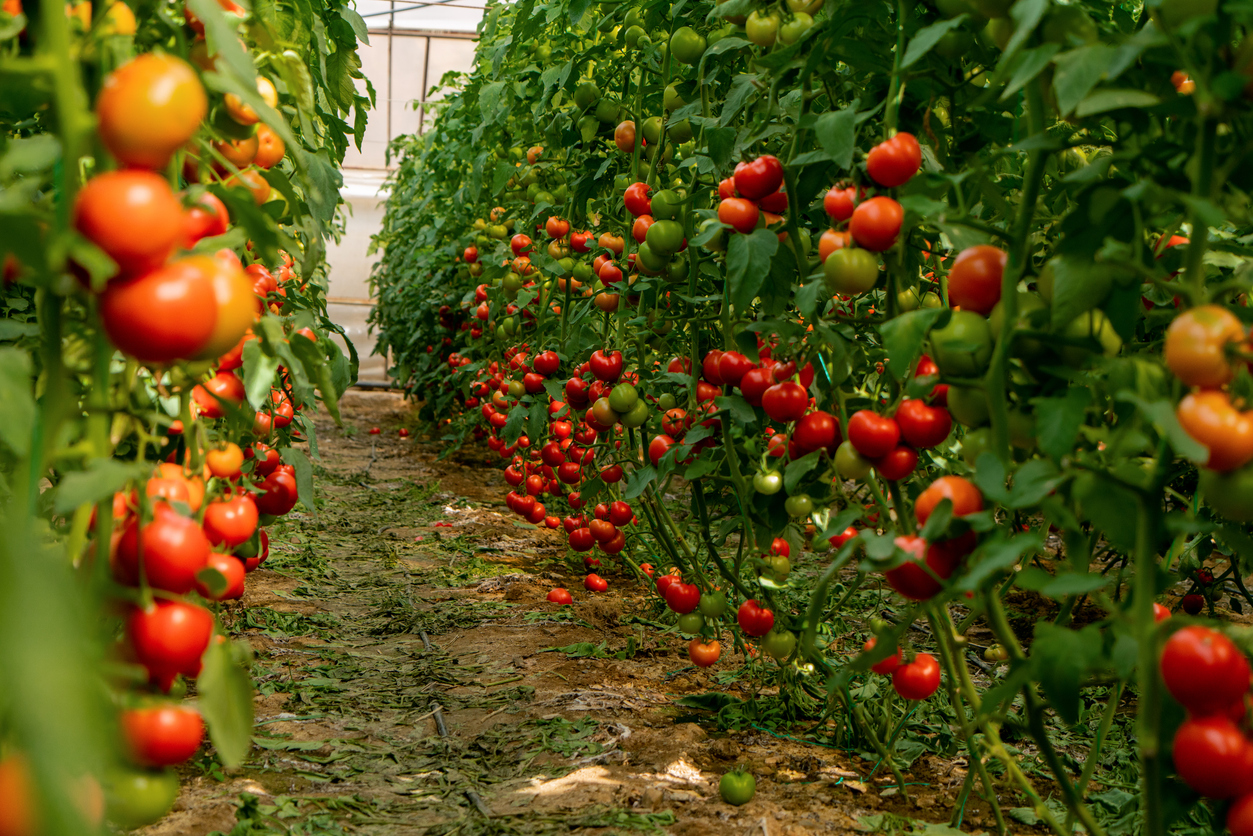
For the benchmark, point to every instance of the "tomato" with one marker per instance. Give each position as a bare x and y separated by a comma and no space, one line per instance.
886,666
682,597
623,397
139,797
226,462
161,735
1229,494
270,148
687,46
231,521
169,638
636,200
974,282
739,213
606,366
965,497
624,136
816,431
165,315
1160,613
876,223
1204,670
561,596
767,482
894,161
217,395
1210,418
851,464
779,644
244,113
918,679
1196,344
595,583
760,177
762,28
148,108
940,560
839,203
658,446
1192,603
703,654
691,623
786,401
620,513
962,348
205,218
922,425
737,788
238,152
871,434
134,216
232,570
1240,816
897,463
792,30
278,493
754,619
174,550
666,205
754,383
712,604
850,271
1212,756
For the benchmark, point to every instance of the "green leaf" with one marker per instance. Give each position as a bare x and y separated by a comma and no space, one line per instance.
990,477
1103,101
1026,15
1029,64
225,702
1162,415
30,155
998,556
1061,657
799,469
1036,579
1078,71
259,372
639,479
721,146
903,337
749,259
1079,284
837,134
1058,420
299,461
17,407
101,479
1032,482
938,521
1111,508
357,23
927,37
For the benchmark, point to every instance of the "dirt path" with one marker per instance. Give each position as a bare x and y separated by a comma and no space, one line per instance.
412,679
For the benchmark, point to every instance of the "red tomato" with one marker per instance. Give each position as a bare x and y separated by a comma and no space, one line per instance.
148,108
786,401
232,521
916,579
711,367
174,550
595,583
230,568
873,435
547,363
636,199
205,218
817,431
581,539
754,383
876,223
1214,757
974,282
894,161
775,204
169,638
561,596
918,679
620,513
739,214
732,366
521,244
754,619
218,393
161,735
278,493
922,425
556,227
759,178
658,446
839,204
1204,670
1160,613
663,583
703,654
133,216
165,315
965,497
606,365
1240,816
682,597
886,666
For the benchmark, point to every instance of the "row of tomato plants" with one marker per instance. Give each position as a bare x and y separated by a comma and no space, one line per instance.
168,177
951,294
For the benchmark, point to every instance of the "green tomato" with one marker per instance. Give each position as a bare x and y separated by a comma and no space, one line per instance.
849,463
680,132
931,299
652,130
665,237
516,389
649,259
908,299
962,348
582,271
1068,25
687,45
1031,315
1090,325
728,31
800,505
543,53
712,604
565,267
768,482
975,444
607,111
954,44
809,7
692,623
779,644
737,788
952,8
666,205
780,566
634,17
791,32
586,94
995,653
666,402
998,31
717,243
968,406
637,415
671,100
762,28
136,798
850,271
623,397
1229,494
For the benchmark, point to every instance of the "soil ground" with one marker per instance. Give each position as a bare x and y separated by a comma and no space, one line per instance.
412,679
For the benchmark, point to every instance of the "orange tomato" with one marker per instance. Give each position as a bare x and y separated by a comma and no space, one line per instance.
830,241
271,147
1196,344
242,112
236,309
251,180
225,463
624,136
238,152
148,108
1213,420
134,216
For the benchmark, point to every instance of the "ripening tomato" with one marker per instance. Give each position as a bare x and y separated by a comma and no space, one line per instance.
134,216
702,653
885,666
871,434
238,152
1196,344
161,735
894,161
974,282
759,178
1204,670
1213,756
876,223
739,213
850,271
636,199
165,315
965,497
225,463
169,638
270,148
1213,420
148,108
236,306
754,619
624,136
241,111
922,425
231,521
830,241
174,550
918,679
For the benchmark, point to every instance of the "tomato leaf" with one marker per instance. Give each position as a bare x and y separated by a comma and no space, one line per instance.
1032,482
638,481
1036,579
998,555
1161,414
16,377
1078,71
1079,284
903,337
741,412
799,469
1103,101
938,521
225,692
748,260
299,461
927,37
837,134
101,479
990,477
1029,64
1060,657
1058,420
